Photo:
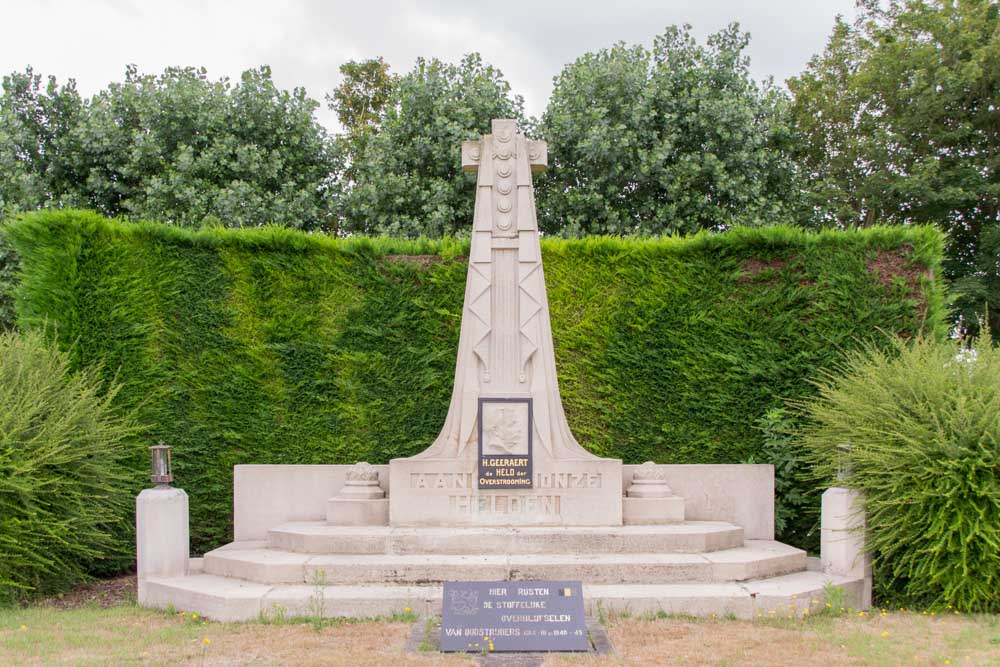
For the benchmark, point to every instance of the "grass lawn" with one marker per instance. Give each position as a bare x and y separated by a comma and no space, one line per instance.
83,631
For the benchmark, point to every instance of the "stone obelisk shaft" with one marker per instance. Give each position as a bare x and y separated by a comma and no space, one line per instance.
505,346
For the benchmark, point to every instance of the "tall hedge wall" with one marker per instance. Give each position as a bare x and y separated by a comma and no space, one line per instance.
274,346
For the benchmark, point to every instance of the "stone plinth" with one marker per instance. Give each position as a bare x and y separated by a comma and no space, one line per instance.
361,501
842,538
650,500
162,541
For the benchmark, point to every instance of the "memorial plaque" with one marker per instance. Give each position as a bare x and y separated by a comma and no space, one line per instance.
493,616
505,443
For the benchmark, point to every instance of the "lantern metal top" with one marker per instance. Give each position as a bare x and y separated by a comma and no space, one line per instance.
161,473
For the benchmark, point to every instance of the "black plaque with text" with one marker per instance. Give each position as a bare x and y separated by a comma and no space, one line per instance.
505,429
494,616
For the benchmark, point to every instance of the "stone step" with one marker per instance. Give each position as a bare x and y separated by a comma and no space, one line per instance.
225,599
253,562
689,537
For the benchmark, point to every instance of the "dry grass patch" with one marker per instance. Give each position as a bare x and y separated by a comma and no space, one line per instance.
872,639
128,635
133,636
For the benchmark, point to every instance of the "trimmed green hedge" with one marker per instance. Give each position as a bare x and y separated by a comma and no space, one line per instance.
275,346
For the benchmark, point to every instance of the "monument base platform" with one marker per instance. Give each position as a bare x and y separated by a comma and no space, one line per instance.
722,560
227,599
696,567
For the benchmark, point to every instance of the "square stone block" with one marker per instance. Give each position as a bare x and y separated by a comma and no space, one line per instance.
357,512
652,511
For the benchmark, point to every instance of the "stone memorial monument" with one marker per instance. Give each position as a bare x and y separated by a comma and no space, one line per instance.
505,492
505,455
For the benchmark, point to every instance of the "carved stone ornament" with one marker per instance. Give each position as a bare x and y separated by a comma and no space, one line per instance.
362,483
650,471
362,472
649,481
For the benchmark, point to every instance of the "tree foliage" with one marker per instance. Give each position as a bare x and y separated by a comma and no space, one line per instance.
39,156
362,95
359,101
176,147
899,122
409,180
675,139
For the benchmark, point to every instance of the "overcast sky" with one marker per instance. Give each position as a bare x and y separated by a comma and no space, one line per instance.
305,41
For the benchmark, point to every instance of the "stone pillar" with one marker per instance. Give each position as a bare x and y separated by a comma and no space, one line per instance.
842,538
361,502
649,500
162,539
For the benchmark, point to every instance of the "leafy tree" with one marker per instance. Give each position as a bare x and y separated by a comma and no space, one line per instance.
675,139
359,101
177,147
363,94
37,165
899,122
409,179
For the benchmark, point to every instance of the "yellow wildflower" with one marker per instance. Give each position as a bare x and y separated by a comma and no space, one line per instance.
207,640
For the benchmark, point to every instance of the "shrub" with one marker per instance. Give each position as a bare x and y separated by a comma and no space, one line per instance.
916,428
796,499
64,506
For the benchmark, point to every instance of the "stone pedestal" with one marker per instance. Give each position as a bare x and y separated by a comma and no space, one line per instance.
842,538
162,540
649,500
361,502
